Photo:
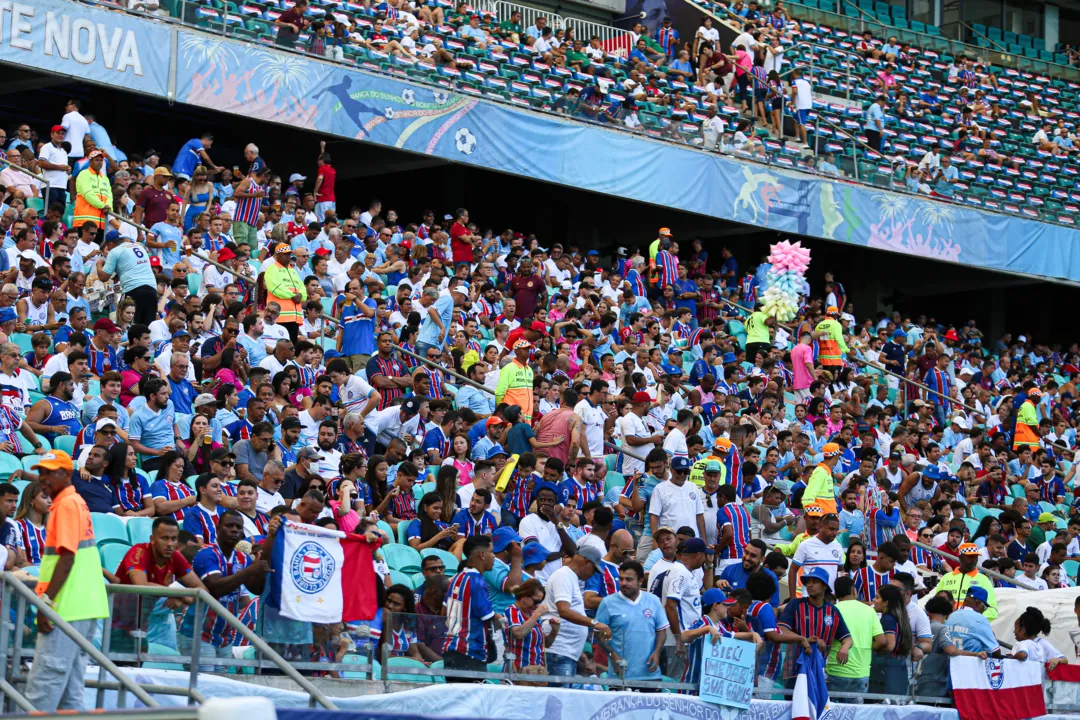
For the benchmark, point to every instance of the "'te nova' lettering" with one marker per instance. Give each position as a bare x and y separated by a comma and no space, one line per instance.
79,39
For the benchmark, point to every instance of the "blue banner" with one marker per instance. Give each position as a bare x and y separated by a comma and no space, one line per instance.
728,672
93,44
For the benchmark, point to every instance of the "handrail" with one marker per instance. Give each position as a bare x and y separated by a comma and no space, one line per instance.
893,161
987,38
85,645
39,178
221,611
988,573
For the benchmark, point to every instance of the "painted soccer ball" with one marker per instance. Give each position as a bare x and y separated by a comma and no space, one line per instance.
440,97
389,112
408,96
465,141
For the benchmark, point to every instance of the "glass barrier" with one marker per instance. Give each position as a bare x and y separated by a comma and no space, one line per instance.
520,82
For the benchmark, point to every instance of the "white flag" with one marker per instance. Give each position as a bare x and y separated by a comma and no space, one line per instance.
306,582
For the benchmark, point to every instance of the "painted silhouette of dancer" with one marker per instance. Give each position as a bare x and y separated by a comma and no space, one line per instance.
353,108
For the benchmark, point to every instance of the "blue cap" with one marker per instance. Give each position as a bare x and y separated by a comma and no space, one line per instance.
680,463
673,370
331,354
112,235
543,486
694,545
496,449
533,553
713,596
503,537
978,593
181,333
816,574
7,314
934,472
593,252
729,357
899,333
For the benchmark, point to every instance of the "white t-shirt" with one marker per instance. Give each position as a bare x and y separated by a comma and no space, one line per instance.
271,334
77,128
329,467
1032,648
565,586
675,443
57,156
773,62
547,534
812,553
804,97
540,46
676,506
593,418
274,365
309,429
681,585
630,425
266,501
919,621
744,40
16,395
465,496
710,34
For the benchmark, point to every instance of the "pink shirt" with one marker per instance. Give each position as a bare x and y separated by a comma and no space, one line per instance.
800,356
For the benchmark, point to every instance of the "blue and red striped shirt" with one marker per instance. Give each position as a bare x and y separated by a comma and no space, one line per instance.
392,368
211,561
172,491
33,540
468,609
247,209
735,515
528,650
867,581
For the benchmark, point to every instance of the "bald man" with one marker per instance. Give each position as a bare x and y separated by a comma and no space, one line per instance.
605,581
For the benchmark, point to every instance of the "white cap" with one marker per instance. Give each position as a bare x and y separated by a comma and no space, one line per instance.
1022,338
296,176
961,421
104,423
567,285
28,255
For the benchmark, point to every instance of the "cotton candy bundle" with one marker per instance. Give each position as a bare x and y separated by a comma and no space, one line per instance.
785,279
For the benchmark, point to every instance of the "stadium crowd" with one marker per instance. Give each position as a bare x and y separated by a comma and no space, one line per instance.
572,464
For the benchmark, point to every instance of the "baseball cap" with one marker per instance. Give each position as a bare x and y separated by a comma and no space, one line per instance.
309,453
494,420
662,529
831,310
680,463
462,288
968,549
722,444
95,154
895,455
675,371
666,232
282,248
1046,517
225,254
813,511
830,450
104,423
523,344
694,545
496,450
107,325
593,252
7,315
257,165
59,128
978,593
181,333
155,261
533,553
296,176
592,554
54,460
503,537
816,574
713,596
162,172
620,252
729,357
899,333
221,453
204,399
712,466
539,327
112,236
641,397
291,422
411,406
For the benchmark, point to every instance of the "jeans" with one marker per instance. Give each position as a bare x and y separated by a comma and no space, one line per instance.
321,208
848,685
422,348
560,665
56,680
206,650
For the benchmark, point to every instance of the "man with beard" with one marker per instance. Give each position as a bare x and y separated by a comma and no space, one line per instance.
56,414
328,467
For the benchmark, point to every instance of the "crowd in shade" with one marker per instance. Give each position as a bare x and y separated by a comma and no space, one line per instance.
572,463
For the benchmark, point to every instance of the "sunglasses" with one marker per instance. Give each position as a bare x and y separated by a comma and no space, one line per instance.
227,463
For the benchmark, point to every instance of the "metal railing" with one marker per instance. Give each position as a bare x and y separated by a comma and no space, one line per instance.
40,178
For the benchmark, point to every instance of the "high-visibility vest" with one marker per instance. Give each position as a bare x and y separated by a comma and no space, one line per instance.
92,189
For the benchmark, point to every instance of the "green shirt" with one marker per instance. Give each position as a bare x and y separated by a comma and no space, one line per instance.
510,27
572,57
651,44
756,329
863,624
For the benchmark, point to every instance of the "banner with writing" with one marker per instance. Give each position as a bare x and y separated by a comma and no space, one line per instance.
727,672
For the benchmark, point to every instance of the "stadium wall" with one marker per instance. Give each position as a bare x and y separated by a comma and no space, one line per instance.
215,73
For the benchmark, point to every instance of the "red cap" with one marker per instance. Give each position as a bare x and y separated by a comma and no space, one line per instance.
107,325
642,397
539,327
323,252
225,254
59,128
155,261
951,335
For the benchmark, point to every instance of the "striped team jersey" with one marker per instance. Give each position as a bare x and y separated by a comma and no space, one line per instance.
211,561
172,491
518,499
468,609
803,618
355,393
33,540
437,383
603,583
733,465
528,650
101,361
666,268
937,380
573,493
919,556
692,672
409,362
211,244
127,493
249,617
247,209
706,313
868,580
469,526
1050,491
200,522
403,506
748,288
391,368
10,422
633,277
437,440
735,515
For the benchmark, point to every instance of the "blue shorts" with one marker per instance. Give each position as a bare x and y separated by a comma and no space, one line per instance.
801,116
